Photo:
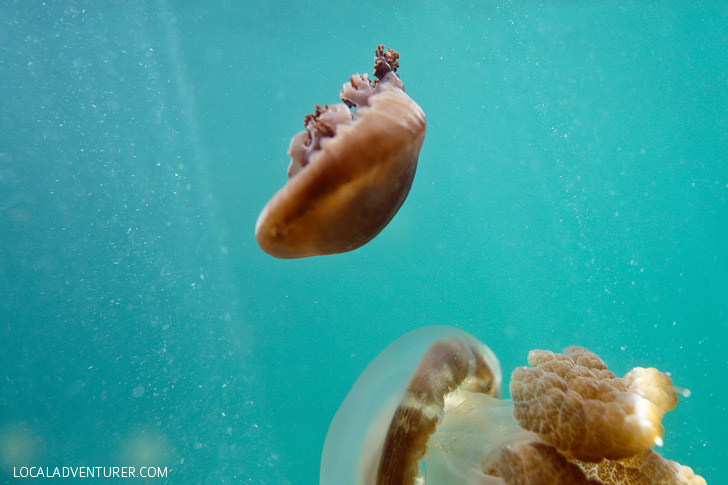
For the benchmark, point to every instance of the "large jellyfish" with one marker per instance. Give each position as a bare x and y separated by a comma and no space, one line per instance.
427,411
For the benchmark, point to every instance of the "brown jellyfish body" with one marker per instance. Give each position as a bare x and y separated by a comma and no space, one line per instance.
350,172
427,411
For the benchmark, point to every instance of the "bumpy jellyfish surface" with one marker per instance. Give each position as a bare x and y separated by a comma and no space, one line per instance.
350,172
604,424
427,411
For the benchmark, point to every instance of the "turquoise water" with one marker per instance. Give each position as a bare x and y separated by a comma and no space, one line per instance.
571,191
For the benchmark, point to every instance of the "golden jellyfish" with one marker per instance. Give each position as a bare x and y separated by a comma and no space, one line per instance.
350,171
427,411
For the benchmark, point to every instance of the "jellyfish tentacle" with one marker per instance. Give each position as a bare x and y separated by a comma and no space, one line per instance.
385,61
357,91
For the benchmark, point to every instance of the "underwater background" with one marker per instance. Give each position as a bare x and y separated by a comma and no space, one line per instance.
572,190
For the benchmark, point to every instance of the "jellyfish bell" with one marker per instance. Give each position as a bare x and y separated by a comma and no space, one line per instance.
349,172
380,433
427,411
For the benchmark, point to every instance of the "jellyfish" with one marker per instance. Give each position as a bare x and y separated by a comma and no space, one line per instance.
428,411
351,168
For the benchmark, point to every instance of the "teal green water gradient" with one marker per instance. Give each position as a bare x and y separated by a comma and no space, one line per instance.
571,191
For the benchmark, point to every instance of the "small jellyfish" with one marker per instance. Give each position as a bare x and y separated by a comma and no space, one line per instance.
350,172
